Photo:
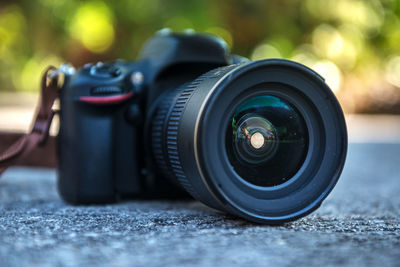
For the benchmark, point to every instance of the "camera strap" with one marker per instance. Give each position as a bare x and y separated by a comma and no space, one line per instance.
39,133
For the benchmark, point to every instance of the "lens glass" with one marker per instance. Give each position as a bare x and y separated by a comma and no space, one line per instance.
266,140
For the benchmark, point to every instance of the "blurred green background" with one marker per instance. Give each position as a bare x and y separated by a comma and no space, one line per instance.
354,44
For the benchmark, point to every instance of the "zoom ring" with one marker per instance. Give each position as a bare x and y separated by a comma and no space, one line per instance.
165,128
157,133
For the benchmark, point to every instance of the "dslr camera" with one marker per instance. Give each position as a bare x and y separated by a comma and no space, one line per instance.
263,140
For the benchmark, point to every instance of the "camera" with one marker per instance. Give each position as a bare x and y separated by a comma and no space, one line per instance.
263,140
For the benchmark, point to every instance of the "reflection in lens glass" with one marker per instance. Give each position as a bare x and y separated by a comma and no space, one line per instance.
266,140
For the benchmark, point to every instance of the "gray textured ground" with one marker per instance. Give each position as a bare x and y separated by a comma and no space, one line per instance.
358,225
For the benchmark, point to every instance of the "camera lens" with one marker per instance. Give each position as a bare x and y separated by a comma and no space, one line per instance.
266,133
263,140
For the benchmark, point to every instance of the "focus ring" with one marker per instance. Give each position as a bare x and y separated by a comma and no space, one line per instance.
173,122
165,129
165,125
157,133
172,126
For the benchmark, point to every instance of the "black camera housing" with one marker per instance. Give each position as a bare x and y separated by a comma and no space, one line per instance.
101,142
265,140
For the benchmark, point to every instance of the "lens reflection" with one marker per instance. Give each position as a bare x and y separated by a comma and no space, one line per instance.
266,140
255,139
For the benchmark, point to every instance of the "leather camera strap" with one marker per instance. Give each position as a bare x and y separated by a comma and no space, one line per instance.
40,127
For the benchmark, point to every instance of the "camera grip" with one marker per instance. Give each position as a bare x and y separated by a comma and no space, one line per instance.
85,149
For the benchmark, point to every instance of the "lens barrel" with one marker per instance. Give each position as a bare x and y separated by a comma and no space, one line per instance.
264,140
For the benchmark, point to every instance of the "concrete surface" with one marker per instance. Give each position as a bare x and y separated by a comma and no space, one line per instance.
358,225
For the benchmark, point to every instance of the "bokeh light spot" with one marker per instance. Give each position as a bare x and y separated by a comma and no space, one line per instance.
12,25
92,25
393,71
305,56
265,51
28,79
221,32
328,41
330,72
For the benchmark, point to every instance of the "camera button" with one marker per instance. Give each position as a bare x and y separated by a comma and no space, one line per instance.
106,90
115,72
87,65
105,71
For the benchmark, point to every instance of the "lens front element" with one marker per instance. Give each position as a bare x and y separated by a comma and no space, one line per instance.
266,140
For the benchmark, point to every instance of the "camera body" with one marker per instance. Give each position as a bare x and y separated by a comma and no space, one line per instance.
103,110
